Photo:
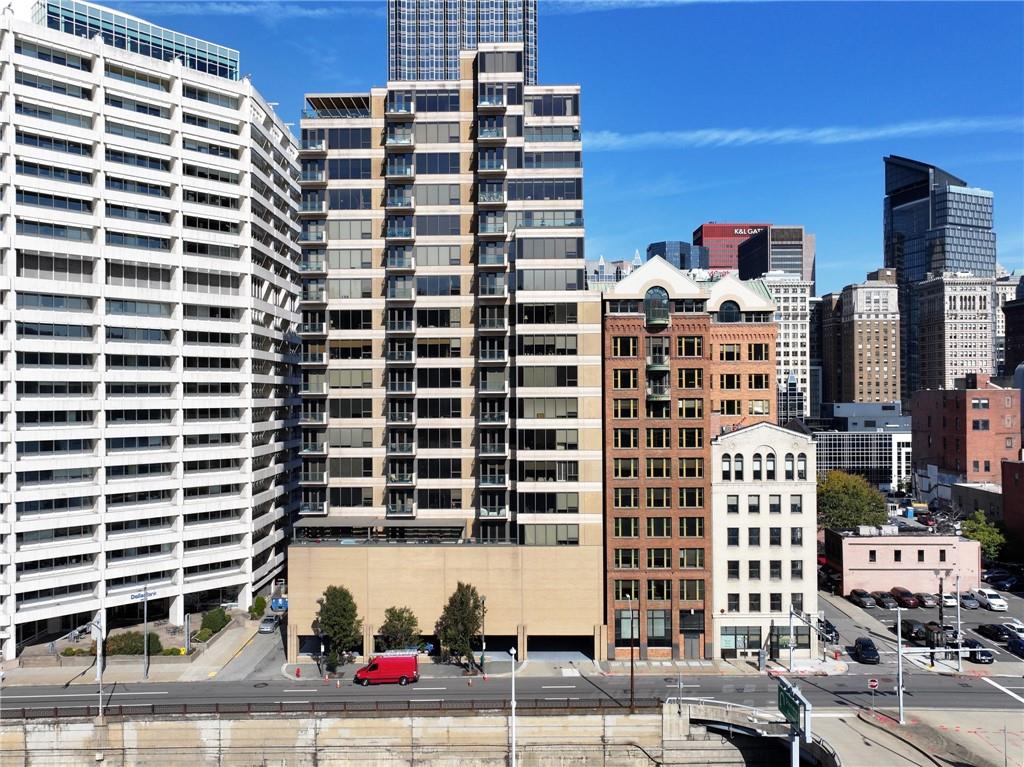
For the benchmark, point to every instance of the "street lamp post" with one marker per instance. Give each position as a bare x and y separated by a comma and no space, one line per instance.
959,635
483,632
512,652
633,628
98,634
145,631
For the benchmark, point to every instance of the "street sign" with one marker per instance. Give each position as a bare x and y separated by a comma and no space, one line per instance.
873,684
789,706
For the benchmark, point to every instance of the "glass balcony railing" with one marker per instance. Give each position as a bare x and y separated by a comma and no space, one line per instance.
315,328
400,107
491,100
312,175
491,165
400,326
313,508
492,259
399,201
400,261
401,477
494,511
493,448
400,231
317,477
499,417
313,416
492,227
493,480
493,355
314,144
491,132
402,448
493,289
313,448
314,388
316,294
313,206
313,236
493,387
400,355
313,265
657,360
400,416
400,387
398,169
401,292
399,139
659,390
492,323
314,358
491,196
401,509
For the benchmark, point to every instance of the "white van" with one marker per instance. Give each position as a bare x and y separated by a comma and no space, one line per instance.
990,599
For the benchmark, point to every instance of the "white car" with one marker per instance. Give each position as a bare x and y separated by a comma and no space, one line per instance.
990,599
1016,629
949,600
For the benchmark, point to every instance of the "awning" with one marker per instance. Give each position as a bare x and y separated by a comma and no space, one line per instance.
380,522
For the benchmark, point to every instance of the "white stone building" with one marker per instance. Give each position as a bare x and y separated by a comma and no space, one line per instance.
955,328
792,296
149,294
764,502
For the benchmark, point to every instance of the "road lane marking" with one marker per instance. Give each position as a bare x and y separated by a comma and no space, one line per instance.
425,700
998,686
80,695
291,701
561,698
831,714
302,689
430,689
684,686
558,687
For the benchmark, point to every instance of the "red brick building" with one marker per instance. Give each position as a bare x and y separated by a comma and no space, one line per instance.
723,242
1013,498
683,361
964,434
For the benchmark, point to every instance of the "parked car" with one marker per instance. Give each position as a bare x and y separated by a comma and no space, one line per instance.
926,600
995,575
968,602
864,651
904,597
1009,583
828,631
912,631
1016,646
885,599
990,599
946,632
978,652
861,598
994,631
948,600
270,624
385,669
1016,629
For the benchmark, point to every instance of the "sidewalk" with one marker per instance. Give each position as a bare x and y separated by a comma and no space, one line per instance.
675,667
928,738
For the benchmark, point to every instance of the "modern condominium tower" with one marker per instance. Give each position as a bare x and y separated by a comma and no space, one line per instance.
426,36
149,291
451,354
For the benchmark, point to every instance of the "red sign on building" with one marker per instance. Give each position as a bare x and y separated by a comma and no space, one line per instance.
723,242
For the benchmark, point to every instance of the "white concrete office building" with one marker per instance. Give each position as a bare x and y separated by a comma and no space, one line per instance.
149,293
792,296
764,524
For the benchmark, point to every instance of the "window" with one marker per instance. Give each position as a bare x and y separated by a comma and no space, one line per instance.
659,527
753,504
732,536
626,468
729,381
757,381
626,498
732,604
796,504
801,466
775,603
757,352
627,559
897,555
774,504
775,569
624,378
625,438
754,536
627,626
872,555
726,467
659,589
979,424
691,378
789,466
754,603
691,408
754,570
774,536
729,352
624,346
737,467
942,555
758,407
659,558
659,628
691,527
659,497
732,569
659,439
690,346
730,407
691,589
769,466
920,555
691,437
796,536
659,468
691,558
732,504
691,468
626,589
756,473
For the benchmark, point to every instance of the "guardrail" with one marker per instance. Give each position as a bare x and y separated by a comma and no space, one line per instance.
355,707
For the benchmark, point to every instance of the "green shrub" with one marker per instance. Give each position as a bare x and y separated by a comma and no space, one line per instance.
130,643
173,651
203,635
259,606
215,620
68,652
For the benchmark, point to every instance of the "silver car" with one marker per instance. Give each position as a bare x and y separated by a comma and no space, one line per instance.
968,602
269,624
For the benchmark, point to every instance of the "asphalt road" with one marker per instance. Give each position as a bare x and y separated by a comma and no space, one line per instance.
922,689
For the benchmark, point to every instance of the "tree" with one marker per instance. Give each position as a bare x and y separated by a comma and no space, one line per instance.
338,618
460,621
979,529
847,500
400,629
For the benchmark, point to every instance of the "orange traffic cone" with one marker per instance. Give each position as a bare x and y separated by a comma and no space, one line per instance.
326,680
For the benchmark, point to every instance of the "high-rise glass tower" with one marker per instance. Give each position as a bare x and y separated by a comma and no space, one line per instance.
933,223
425,36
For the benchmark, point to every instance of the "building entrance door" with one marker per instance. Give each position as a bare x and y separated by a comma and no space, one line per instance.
691,645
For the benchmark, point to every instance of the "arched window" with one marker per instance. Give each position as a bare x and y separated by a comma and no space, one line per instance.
789,466
737,466
769,466
656,306
729,311
801,466
756,468
726,467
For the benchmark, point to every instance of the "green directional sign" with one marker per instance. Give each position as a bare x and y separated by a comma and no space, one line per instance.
789,706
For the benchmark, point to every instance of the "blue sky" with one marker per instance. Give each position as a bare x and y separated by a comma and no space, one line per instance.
715,111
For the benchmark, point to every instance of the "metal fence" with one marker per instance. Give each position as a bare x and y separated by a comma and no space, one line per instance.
339,707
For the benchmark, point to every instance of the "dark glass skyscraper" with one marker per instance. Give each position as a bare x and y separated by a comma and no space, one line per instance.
682,255
933,223
425,36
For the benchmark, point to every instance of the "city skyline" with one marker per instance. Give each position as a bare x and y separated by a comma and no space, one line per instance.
667,167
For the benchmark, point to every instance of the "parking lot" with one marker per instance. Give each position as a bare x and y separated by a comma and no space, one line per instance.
852,621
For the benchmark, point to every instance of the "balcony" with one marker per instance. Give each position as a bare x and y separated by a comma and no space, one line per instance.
491,197
401,293
492,324
400,326
402,510
401,448
400,140
400,355
492,260
312,329
659,391
492,355
313,358
492,101
313,509
492,290
494,448
313,177
313,478
316,295
399,170
494,418
314,145
313,417
313,448
493,387
400,387
315,236
492,229
491,133
656,315
313,206
658,361
399,417
399,232
314,389
401,478
312,265
493,480
491,166
400,261
494,512
400,107
399,201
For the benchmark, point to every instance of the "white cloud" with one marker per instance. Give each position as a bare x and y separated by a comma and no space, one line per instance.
586,6
611,141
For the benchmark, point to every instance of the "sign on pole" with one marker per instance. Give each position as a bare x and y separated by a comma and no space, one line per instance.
873,684
789,706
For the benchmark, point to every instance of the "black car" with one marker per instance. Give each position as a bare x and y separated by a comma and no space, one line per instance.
1009,583
864,651
912,631
993,631
885,599
978,652
861,598
828,631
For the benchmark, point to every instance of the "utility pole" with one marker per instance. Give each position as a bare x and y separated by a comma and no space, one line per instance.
632,643
483,632
145,631
959,634
790,640
512,652
899,661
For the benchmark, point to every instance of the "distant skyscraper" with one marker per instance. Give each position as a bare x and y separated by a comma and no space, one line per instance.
425,36
682,255
787,249
933,223
723,241
792,297
870,322
954,328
